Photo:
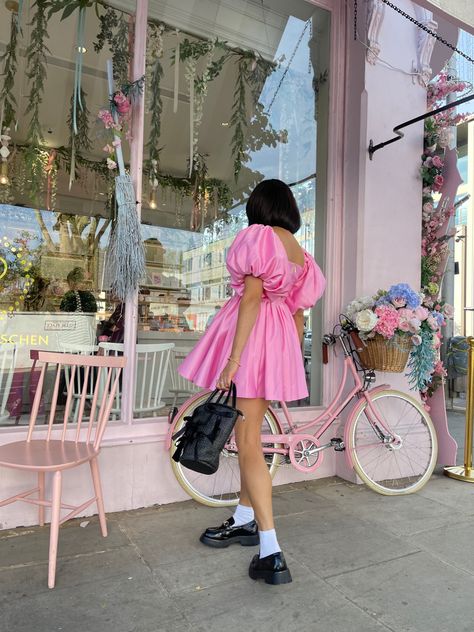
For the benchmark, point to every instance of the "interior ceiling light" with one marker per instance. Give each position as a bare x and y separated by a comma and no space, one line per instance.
152,202
81,49
4,181
225,124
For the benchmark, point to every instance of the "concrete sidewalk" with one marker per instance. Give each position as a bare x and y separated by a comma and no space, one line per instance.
361,562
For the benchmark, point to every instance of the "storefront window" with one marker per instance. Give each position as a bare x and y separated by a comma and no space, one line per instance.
56,217
285,98
248,100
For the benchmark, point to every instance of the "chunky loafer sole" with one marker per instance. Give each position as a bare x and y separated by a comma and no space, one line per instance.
244,540
271,577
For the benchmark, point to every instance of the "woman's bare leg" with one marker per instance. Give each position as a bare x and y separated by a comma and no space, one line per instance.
255,479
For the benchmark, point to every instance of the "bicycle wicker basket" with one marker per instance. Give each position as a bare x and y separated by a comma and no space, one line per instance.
386,355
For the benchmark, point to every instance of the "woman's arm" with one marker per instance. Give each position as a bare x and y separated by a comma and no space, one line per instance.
299,322
248,312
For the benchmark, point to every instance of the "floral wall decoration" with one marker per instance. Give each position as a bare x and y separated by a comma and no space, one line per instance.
438,209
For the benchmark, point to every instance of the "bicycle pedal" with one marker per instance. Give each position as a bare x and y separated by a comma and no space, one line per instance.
338,444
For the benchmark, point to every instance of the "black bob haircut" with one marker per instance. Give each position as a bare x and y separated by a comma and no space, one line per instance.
272,203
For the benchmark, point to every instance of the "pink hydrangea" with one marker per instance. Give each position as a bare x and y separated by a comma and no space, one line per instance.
388,320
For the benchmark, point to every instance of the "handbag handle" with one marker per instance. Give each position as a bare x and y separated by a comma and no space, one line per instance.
231,392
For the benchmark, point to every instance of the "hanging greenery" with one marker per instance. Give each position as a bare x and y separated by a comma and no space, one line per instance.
238,121
154,74
36,73
81,140
9,62
114,31
69,6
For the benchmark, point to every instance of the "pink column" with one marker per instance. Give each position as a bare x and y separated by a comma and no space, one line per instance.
136,168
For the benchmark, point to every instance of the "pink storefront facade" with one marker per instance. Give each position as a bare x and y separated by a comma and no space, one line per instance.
364,225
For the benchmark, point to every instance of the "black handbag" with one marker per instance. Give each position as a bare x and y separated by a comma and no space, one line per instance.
199,443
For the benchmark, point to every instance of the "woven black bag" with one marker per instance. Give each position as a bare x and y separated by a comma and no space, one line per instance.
199,443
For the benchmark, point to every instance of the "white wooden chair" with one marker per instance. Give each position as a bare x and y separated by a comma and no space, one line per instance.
152,362
78,385
7,369
179,384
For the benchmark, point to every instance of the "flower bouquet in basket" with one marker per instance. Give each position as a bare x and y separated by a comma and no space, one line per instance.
396,324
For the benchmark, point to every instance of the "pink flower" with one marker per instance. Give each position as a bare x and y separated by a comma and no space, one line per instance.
388,321
399,302
111,164
117,143
121,103
438,181
432,323
415,325
437,162
416,340
107,119
108,149
448,310
428,207
421,313
439,369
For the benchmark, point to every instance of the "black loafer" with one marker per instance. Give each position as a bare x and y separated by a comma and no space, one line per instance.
272,569
227,534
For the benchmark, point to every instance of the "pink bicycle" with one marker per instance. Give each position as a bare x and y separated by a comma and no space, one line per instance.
389,438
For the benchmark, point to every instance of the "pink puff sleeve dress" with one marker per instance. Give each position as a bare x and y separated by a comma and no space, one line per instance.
271,363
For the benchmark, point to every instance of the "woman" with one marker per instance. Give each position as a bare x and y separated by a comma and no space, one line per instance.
255,340
76,299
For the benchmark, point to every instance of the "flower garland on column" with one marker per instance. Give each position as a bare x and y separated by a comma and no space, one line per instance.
436,233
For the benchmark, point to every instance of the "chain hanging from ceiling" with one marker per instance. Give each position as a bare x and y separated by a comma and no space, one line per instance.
421,26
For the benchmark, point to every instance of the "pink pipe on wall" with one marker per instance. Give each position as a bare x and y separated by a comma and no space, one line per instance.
136,169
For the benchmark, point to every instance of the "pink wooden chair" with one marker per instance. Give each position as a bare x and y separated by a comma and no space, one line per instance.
75,445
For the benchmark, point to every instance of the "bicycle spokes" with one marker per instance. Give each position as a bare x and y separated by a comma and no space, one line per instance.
395,452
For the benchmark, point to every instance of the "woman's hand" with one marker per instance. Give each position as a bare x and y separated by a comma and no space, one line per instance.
227,375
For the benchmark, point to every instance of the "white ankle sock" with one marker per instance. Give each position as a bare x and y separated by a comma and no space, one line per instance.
243,515
268,543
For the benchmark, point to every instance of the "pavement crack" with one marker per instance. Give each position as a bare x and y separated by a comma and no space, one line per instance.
372,565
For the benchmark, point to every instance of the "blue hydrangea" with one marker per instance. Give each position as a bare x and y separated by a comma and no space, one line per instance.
439,318
403,291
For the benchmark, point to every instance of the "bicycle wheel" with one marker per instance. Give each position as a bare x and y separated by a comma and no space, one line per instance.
222,488
403,463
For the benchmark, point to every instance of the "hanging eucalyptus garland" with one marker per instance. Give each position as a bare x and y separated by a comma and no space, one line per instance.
81,140
35,158
114,31
8,60
36,70
154,74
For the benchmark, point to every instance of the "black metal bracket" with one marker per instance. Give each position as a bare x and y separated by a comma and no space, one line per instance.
399,135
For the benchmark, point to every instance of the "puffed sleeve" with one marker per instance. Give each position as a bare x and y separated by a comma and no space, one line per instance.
309,288
254,253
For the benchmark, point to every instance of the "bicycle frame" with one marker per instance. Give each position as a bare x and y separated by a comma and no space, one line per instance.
296,433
